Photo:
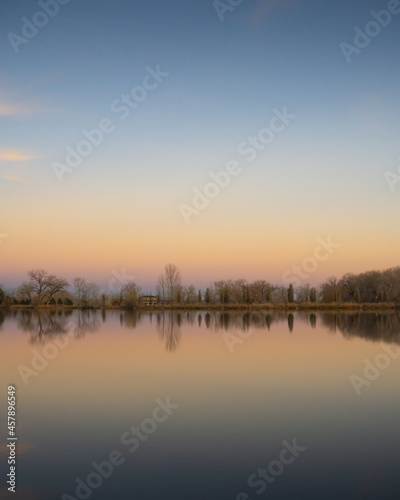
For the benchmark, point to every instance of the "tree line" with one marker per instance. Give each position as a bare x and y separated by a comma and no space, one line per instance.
43,288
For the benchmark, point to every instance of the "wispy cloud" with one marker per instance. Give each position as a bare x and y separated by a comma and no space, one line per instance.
18,160
12,178
8,109
14,155
11,104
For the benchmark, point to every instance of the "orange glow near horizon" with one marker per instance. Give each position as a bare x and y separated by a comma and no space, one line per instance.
81,237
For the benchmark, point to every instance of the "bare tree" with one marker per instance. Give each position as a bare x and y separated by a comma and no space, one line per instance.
24,292
189,294
80,288
280,294
87,294
130,294
161,288
261,291
38,279
170,283
56,286
46,286
93,295
330,290
303,293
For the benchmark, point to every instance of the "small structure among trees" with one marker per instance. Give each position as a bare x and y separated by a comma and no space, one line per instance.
148,300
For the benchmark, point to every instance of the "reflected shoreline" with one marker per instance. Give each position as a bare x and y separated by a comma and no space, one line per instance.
45,325
265,307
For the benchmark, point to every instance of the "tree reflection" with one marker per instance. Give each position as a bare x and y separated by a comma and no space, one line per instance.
130,319
168,327
2,318
42,325
290,321
45,325
207,319
382,327
87,321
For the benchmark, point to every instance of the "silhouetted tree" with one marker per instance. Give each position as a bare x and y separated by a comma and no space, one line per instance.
46,285
290,294
130,294
170,283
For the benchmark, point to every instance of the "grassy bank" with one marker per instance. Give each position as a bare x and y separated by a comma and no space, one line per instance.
315,306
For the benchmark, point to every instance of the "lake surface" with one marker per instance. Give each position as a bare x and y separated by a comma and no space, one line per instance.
203,406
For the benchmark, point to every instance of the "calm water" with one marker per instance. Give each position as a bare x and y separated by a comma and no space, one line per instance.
202,405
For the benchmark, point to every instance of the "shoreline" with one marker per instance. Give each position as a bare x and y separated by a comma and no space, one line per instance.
350,306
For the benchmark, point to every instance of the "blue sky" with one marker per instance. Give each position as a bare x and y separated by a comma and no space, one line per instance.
225,79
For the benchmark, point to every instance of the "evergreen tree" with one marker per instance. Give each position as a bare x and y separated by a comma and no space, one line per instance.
290,294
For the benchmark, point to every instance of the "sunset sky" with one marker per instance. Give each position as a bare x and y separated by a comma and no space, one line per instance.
203,83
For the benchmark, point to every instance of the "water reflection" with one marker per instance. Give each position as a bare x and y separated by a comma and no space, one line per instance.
44,325
383,327
86,321
129,319
168,327
2,318
290,321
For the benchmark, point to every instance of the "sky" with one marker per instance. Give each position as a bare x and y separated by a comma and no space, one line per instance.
117,117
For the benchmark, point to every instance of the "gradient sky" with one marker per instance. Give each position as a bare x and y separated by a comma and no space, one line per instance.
119,209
